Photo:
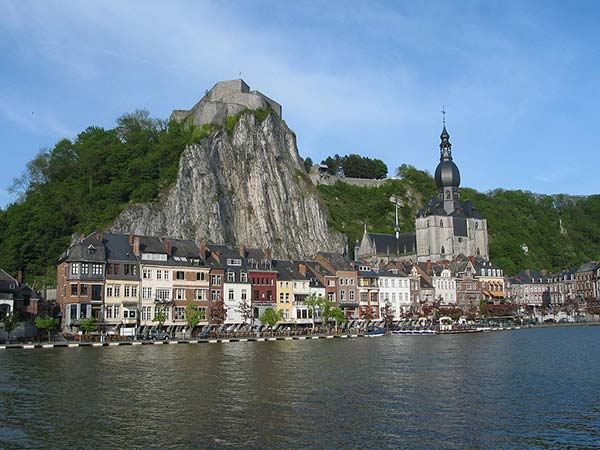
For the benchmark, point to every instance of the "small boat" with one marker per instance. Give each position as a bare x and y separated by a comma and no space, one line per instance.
375,333
414,332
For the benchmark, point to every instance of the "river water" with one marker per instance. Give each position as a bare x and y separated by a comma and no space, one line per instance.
535,388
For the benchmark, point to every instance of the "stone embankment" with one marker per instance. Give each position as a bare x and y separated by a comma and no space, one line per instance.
70,344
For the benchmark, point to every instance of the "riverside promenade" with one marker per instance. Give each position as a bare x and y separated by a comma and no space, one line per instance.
216,340
64,343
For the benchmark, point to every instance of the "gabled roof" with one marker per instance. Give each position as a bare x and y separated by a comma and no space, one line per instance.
316,267
387,244
88,249
5,277
337,261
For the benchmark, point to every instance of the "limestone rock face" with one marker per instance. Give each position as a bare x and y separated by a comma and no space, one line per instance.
249,188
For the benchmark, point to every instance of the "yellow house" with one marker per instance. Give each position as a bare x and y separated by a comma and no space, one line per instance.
285,289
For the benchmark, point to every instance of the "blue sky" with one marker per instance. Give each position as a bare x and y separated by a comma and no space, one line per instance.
519,78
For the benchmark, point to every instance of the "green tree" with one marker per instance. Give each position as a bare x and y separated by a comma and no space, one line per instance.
160,316
46,324
308,163
11,321
338,315
271,317
192,316
334,164
313,303
89,325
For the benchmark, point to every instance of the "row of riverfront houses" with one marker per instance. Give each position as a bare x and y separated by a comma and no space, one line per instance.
124,281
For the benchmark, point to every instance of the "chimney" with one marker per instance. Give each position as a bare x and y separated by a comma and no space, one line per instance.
472,259
81,237
168,246
302,269
217,255
202,249
243,251
20,277
130,239
428,267
99,237
136,245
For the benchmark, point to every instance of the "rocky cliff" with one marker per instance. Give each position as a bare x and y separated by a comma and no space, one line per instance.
244,187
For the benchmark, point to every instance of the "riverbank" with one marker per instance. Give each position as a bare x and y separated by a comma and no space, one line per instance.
70,344
218,340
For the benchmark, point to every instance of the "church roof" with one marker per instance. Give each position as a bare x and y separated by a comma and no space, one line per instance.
387,244
435,207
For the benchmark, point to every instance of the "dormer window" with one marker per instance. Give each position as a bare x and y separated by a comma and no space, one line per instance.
91,249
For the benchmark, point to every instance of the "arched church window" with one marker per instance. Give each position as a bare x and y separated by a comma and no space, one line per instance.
478,251
447,195
459,239
476,225
443,250
441,223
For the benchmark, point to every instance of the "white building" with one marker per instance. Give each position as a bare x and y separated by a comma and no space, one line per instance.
444,284
394,289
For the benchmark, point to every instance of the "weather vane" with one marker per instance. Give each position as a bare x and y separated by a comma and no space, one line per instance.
444,114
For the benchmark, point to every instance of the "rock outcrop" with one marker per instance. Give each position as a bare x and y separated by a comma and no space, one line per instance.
248,187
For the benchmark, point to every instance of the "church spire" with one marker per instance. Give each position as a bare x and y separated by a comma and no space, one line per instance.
445,145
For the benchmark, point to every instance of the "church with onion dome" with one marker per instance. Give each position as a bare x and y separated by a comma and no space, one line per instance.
447,226
444,229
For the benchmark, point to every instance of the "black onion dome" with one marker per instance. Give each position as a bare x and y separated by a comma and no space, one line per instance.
447,174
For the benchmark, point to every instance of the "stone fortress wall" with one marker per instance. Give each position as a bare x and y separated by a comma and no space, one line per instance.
226,98
328,179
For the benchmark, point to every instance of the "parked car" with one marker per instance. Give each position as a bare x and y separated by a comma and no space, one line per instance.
156,335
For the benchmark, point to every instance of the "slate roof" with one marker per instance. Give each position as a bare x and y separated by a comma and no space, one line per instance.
312,265
391,273
5,277
117,247
531,277
90,249
337,261
287,271
367,273
7,282
435,207
387,244
180,248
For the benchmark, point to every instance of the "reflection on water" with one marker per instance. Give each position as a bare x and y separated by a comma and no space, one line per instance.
528,388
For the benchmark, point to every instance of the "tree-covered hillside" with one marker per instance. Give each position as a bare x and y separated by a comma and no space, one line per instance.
80,186
514,218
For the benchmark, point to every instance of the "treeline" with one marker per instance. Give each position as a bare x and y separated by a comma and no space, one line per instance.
559,231
82,185
356,166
